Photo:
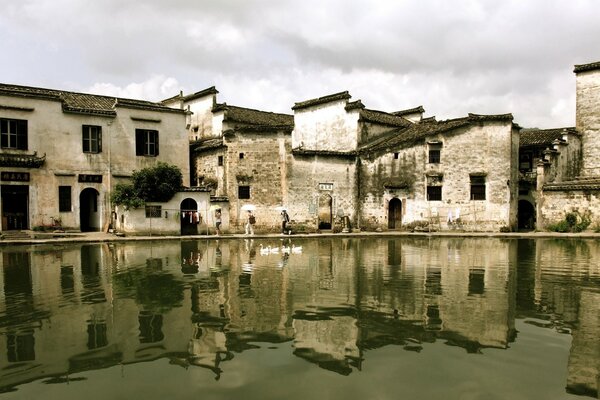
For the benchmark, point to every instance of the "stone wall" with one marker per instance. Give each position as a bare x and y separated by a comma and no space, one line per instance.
554,205
263,168
588,119
487,149
313,176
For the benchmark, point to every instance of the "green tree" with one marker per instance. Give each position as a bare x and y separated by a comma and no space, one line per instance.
157,183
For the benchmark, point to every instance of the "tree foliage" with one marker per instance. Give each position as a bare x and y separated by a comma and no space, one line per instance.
158,183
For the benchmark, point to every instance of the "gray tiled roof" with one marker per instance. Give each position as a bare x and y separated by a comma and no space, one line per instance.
415,110
587,183
254,117
207,144
543,137
384,118
322,100
415,133
197,95
586,67
82,102
332,153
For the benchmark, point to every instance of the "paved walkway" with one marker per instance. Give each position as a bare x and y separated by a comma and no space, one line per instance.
41,238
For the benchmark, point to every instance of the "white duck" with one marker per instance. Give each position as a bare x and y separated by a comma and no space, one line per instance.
264,250
296,249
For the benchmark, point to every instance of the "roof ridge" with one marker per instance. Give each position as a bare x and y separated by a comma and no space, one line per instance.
321,100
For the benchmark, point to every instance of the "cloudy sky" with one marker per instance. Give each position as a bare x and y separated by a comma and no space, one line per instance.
452,57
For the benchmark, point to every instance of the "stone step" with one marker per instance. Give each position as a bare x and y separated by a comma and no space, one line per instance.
15,235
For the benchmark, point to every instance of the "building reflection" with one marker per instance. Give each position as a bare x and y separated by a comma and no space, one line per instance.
77,308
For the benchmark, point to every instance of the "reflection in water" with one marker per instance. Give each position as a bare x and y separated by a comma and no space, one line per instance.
337,306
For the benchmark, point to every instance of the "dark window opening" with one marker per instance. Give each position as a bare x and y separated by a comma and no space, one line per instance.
241,156
525,162
13,134
20,347
64,198
220,161
146,142
150,327
396,155
435,153
476,281
477,187
434,193
153,211
434,156
243,192
92,139
97,335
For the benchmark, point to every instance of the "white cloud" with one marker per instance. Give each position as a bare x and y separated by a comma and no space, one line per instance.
155,88
451,57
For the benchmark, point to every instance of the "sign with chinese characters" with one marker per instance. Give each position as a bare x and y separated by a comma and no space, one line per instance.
325,186
90,178
15,176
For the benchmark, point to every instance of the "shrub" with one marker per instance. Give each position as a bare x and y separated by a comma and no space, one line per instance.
157,183
573,222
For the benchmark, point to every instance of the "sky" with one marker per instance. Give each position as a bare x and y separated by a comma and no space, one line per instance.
451,57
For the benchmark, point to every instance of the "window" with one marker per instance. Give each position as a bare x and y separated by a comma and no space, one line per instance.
434,193
97,335
435,150
220,161
396,156
476,281
477,187
243,192
64,198
92,138
150,327
13,134
241,156
153,211
525,162
146,142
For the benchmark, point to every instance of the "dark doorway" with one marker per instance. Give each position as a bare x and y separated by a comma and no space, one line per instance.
190,218
89,214
526,216
15,207
325,214
394,214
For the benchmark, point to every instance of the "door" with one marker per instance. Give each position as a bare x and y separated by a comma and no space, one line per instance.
189,217
394,214
325,213
89,212
15,207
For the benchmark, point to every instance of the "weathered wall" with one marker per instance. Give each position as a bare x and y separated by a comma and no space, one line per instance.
263,168
588,119
201,120
487,148
554,205
208,168
304,176
134,221
326,127
58,135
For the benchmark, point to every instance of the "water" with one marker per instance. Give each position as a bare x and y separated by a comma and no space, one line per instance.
415,318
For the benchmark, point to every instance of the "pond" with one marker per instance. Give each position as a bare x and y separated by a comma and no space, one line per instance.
335,318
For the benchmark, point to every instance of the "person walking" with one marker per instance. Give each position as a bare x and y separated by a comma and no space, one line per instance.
285,219
250,221
218,221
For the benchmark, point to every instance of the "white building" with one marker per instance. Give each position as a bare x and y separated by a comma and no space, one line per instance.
61,153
